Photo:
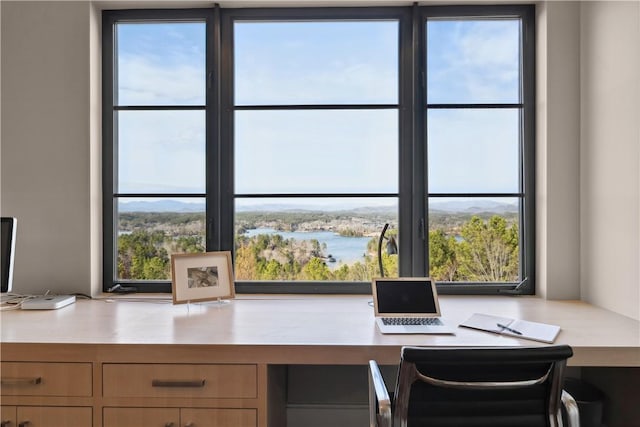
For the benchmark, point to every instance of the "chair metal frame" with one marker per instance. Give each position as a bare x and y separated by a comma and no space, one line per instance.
383,412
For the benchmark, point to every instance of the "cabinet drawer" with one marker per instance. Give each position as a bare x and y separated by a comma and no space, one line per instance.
218,417
137,417
42,416
180,380
161,417
8,416
46,379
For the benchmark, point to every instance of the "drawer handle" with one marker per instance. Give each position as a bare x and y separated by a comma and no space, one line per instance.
24,424
21,381
177,383
5,423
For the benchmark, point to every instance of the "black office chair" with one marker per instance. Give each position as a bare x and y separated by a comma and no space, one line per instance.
479,387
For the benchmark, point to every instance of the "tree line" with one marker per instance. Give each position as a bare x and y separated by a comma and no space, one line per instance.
482,250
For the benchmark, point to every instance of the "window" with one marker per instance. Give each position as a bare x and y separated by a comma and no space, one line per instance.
156,119
316,137
294,137
479,124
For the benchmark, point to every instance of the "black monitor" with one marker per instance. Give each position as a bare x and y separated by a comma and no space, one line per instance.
7,251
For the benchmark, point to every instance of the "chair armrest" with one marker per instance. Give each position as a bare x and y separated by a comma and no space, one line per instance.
379,402
571,406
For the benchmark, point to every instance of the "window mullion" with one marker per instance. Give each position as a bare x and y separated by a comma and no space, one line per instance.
225,147
419,208
215,173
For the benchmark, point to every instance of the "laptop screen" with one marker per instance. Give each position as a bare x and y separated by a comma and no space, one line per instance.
405,296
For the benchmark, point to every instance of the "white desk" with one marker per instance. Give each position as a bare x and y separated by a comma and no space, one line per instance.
309,329
97,360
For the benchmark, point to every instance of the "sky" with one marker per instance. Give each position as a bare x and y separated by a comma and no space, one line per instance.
334,151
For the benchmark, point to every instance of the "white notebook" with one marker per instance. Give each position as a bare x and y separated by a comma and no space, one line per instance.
513,327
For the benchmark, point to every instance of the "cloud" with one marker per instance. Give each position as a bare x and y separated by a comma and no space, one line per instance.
309,151
161,151
473,150
316,151
473,61
161,63
143,81
316,63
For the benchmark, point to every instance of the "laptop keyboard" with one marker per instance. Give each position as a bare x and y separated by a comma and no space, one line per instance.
412,321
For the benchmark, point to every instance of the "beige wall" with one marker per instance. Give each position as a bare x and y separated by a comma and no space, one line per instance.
45,152
610,155
95,139
557,150
587,156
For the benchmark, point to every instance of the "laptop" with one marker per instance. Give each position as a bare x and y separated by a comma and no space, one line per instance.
408,306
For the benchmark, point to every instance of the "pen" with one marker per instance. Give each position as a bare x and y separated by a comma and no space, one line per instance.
506,328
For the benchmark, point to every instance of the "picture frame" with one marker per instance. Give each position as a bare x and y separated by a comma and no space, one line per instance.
200,277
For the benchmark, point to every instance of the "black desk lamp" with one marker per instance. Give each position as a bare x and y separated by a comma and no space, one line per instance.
392,247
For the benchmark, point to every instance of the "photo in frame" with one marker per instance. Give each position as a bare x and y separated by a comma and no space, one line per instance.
204,276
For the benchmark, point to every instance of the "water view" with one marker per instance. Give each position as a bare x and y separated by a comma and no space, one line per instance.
476,242
340,249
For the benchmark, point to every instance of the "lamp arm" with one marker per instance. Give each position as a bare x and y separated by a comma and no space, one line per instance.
384,230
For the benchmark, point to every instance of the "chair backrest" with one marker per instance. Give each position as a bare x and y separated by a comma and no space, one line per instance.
480,387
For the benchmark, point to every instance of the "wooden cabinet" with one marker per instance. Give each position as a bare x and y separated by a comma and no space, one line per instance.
180,380
133,386
225,388
178,417
134,417
46,416
192,417
46,379
8,416
51,416
44,393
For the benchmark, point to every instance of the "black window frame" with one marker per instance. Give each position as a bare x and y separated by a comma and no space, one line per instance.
413,212
526,193
403,17
109,146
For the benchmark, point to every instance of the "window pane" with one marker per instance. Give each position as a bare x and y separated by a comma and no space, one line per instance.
324,62
161,63
161,151
314,239
473,61
473,151
325,151
474,239
150,230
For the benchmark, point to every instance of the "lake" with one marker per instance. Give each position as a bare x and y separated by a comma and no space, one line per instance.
346,250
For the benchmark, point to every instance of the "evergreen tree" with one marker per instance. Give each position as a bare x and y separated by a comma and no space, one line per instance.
488,251
142,256
315,269
442,256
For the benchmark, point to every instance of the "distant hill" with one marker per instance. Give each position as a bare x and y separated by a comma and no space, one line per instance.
448,206
161,206
473,206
